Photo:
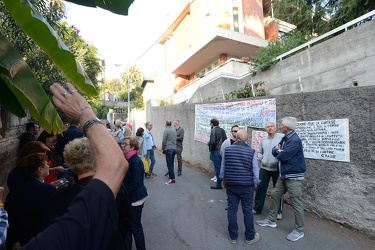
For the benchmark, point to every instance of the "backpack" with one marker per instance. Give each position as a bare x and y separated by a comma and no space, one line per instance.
115,135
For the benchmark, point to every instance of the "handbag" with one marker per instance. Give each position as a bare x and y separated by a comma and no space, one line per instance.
145,165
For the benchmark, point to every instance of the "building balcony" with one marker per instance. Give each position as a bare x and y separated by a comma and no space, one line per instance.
232,68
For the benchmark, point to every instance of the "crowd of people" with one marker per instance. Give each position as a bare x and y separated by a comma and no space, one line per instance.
86,172
52,171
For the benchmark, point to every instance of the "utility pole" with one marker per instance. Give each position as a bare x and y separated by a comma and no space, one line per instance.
117,83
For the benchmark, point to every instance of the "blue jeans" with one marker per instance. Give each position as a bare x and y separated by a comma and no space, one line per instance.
244,194
151,157
169,156
216,158
136,229
260,196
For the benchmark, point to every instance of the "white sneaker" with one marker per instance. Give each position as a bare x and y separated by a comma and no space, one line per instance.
279,216
266,223
214,179
295,235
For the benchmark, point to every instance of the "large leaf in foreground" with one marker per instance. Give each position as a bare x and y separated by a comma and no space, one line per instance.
36,27
120,7
19,88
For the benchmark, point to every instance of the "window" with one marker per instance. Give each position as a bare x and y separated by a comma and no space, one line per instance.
235,19
236,16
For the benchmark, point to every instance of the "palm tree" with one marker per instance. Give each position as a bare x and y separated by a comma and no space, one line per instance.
19,89
133,76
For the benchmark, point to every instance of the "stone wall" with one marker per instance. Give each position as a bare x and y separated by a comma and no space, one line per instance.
11,128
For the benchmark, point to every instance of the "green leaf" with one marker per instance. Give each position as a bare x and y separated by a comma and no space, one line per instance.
8,100
116,6
36,27
19,88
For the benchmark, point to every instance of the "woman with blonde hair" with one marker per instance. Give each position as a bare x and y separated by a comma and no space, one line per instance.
79,157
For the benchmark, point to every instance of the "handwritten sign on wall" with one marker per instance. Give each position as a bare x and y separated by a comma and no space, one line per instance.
257,137
250,113
325,139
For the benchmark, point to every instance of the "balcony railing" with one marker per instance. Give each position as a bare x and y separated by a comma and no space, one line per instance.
332,32
230,69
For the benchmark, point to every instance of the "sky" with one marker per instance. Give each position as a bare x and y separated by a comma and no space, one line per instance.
122,40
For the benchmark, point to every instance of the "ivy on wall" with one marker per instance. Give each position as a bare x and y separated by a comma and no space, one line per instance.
249,90
166,103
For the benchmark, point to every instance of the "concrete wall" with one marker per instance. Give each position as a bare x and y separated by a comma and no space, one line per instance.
344,61
137,119
339,191
338,82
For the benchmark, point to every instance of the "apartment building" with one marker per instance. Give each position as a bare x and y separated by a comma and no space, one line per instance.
212,38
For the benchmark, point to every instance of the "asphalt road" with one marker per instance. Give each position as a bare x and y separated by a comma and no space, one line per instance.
190,215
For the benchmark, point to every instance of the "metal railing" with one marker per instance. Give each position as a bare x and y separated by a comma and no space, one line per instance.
186,92
334,31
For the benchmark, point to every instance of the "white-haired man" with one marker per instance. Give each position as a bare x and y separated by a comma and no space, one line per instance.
292,168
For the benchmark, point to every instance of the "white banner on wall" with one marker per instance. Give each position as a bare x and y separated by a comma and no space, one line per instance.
251,113
325,139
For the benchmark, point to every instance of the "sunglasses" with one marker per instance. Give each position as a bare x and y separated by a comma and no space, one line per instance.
234,131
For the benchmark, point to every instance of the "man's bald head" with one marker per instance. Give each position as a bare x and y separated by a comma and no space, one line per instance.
242,135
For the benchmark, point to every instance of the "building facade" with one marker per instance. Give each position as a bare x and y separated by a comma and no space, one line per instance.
206,34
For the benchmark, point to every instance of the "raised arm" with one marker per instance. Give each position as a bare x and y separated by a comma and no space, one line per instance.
111,163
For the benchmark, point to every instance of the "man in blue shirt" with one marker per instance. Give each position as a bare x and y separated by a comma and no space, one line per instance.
149,144
292,168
